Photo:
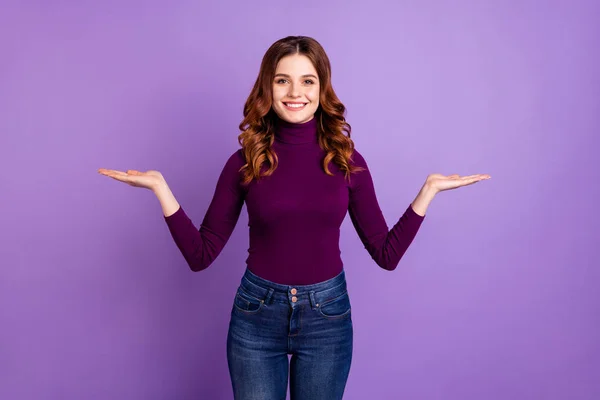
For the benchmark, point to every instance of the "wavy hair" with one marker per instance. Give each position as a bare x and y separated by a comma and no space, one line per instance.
258,124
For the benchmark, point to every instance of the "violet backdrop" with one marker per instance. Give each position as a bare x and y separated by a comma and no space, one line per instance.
497,298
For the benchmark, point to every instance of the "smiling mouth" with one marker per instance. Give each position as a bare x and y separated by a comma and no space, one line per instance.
294,106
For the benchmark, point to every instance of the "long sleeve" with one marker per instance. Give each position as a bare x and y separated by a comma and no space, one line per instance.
386,247
200,247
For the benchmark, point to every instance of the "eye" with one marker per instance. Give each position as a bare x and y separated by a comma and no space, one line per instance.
309,81
280,80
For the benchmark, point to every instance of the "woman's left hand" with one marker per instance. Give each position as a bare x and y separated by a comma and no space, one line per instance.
439,182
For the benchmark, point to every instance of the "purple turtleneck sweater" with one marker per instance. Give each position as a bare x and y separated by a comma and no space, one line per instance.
294,215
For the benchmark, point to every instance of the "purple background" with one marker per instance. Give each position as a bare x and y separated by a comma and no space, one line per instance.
497,298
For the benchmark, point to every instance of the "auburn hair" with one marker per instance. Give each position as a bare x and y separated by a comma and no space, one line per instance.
258,124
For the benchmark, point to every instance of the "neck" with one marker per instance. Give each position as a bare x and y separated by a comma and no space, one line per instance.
296,133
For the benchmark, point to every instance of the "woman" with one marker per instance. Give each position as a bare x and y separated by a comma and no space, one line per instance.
299,174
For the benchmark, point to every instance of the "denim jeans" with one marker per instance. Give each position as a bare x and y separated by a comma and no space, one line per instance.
312,323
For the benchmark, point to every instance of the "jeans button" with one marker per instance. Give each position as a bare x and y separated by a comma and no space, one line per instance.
294,299
293,291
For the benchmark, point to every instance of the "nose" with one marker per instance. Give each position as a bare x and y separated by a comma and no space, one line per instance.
294,92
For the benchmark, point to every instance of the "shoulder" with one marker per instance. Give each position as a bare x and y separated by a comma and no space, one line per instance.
236,160
362,177
358,159
232,166
238,157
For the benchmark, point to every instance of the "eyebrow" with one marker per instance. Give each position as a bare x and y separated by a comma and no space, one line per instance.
303,76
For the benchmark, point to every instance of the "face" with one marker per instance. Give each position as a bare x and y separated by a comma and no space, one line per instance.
295,89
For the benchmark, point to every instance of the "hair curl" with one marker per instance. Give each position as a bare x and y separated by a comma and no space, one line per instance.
258,125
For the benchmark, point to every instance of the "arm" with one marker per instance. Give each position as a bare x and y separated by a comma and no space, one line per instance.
385,246
200,247
167,200
423,199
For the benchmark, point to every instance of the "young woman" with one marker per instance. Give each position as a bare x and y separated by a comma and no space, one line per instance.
298,174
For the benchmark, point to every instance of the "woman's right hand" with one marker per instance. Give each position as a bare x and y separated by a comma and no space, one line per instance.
150,179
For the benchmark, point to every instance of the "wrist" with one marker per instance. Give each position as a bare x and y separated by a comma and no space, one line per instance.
428,190
161,188
423,199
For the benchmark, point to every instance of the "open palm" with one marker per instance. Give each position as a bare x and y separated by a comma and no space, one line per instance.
441,182
150,179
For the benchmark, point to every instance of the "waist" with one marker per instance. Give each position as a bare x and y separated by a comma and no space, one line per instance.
296,267
315,293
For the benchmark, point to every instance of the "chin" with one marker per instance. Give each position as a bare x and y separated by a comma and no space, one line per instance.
300,118
295,117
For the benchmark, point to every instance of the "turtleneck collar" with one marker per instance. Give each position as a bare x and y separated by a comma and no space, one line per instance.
295,133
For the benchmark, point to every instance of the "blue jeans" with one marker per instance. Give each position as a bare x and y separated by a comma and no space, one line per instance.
312,323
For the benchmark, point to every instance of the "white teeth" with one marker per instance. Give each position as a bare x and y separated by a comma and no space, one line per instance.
294,105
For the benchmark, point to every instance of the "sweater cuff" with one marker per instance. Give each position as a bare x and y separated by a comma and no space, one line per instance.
178,218
412,214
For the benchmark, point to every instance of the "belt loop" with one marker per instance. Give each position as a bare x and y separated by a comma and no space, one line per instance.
269,296
313,303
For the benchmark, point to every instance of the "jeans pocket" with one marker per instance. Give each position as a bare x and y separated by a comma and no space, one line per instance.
247,303
337,307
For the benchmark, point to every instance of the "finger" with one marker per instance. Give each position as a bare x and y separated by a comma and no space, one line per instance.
122,178
470,181
481,176
111,171
119,175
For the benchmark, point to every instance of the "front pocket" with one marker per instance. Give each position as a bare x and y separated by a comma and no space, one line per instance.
337,307
247,303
